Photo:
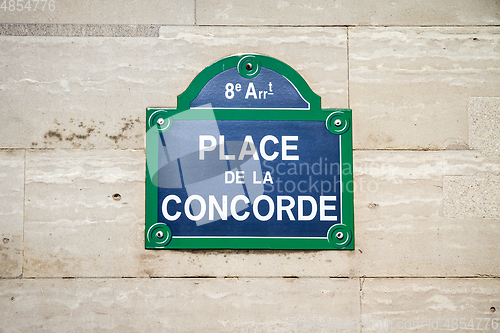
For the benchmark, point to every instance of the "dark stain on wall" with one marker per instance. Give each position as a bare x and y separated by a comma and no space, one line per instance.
75,132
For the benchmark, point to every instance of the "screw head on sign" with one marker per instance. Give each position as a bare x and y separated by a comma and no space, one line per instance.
159,234
249,66
339,235
160,121
337,122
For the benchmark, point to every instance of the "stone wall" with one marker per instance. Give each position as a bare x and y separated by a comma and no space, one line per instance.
422,79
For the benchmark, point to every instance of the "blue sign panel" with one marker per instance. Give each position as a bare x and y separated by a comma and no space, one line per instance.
249,160
268,90
296,192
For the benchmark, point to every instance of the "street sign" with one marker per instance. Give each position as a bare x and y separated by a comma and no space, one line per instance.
249,160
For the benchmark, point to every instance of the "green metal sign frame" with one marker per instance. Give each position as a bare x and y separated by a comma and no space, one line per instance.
338,122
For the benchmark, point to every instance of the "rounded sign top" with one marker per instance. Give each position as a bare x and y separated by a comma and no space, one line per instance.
249,81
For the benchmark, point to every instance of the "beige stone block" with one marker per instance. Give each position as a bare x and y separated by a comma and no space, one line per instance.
74,226
357,12
175,305
11,212
409,87
428,305
472,196
99,12
83,92
93,92
427,247
399,221
484,125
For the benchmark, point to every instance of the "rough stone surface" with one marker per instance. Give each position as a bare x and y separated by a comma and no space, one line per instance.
174,305
80,30
472,196
11,212
409,87
357,12
484,125
416,304
101,12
